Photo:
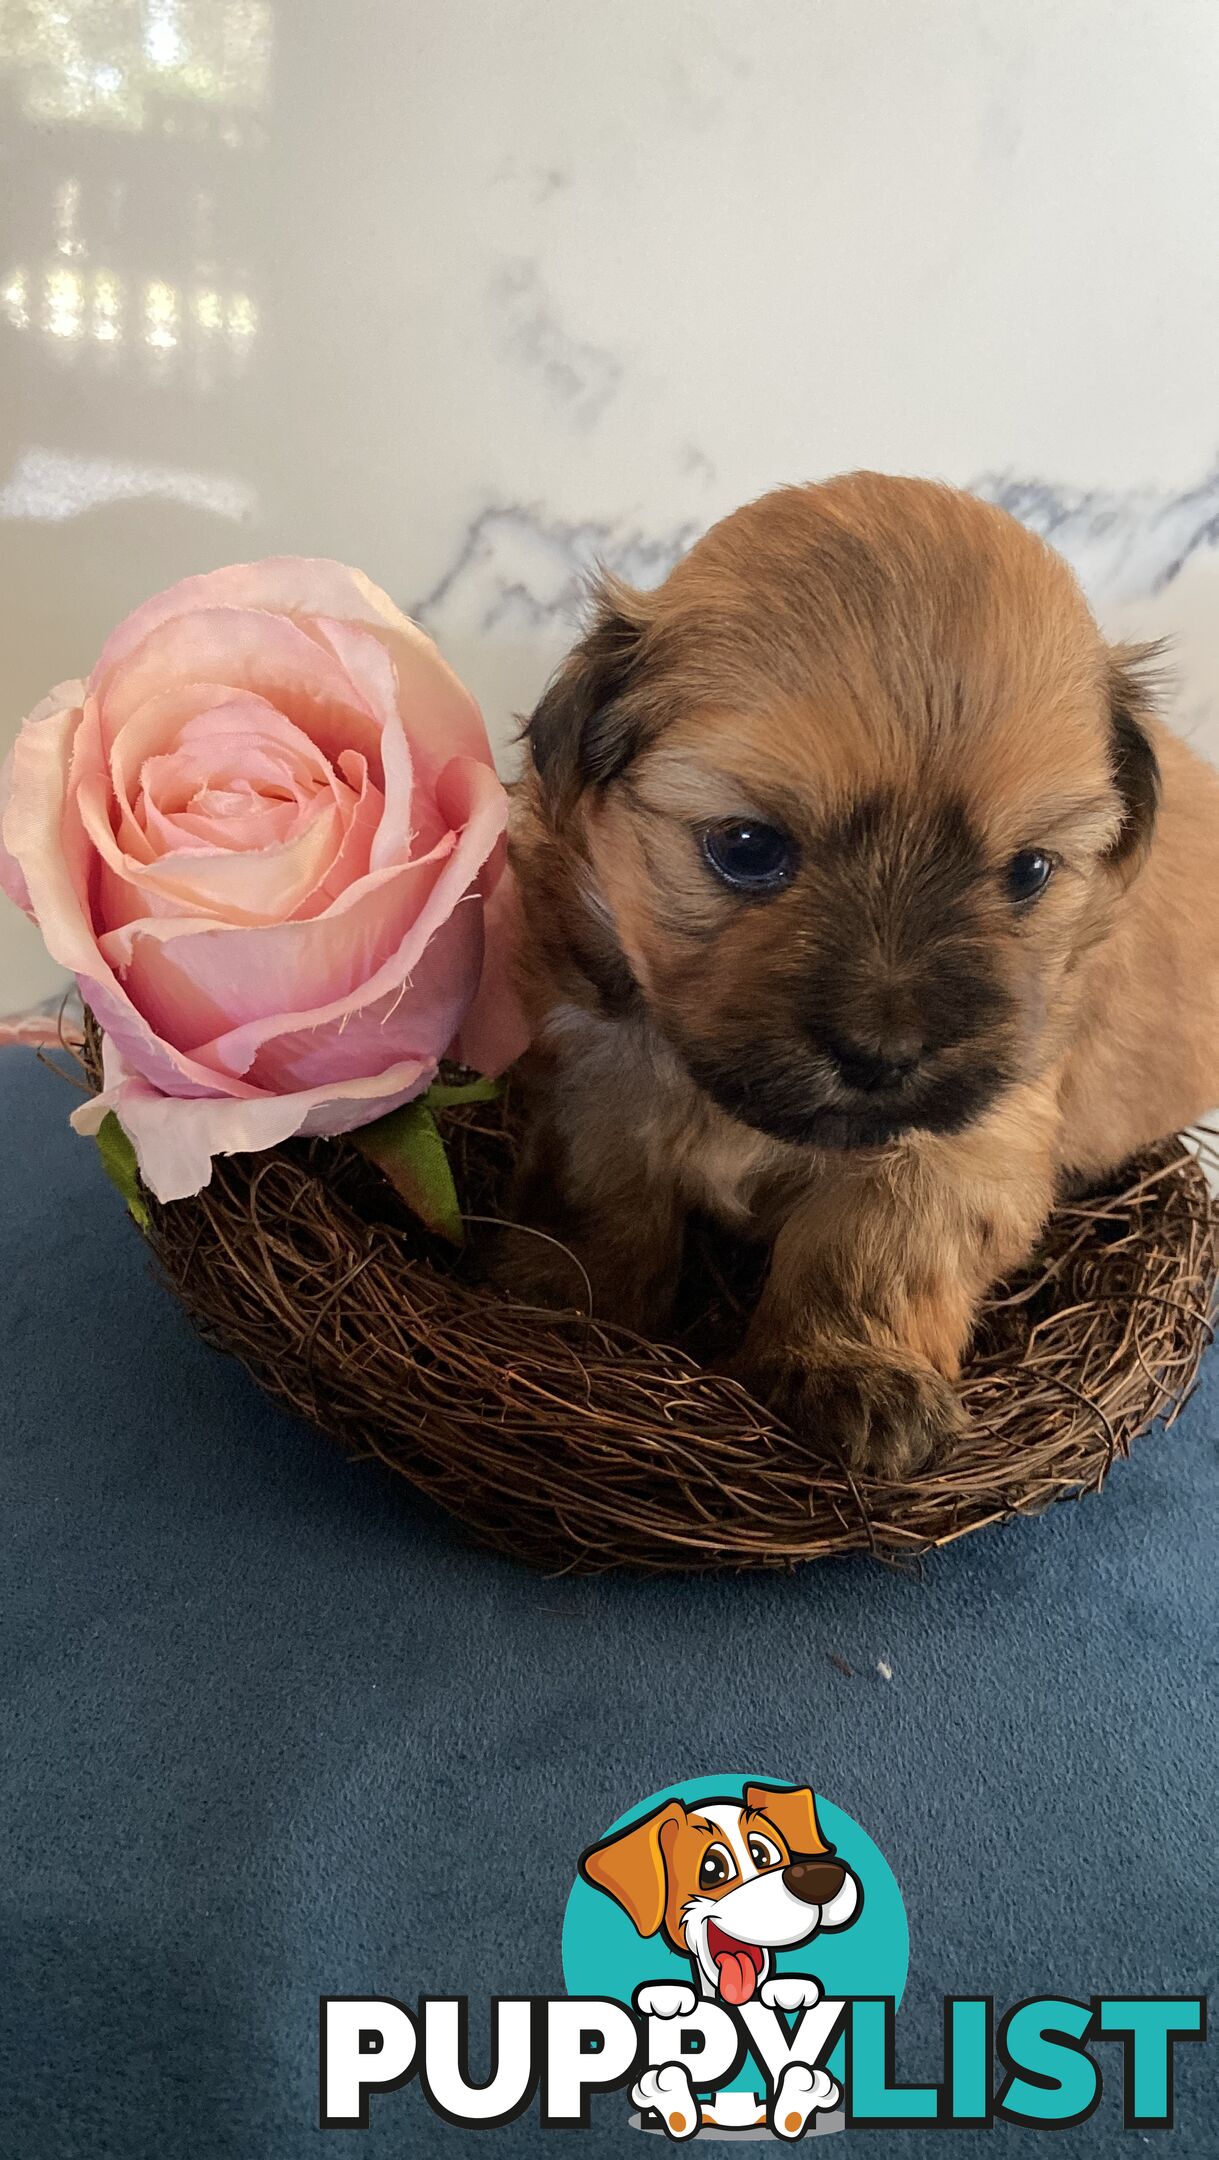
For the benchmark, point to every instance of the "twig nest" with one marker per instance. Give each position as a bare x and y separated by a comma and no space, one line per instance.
572,1445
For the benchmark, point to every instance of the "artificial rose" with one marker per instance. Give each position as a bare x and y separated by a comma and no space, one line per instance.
267,838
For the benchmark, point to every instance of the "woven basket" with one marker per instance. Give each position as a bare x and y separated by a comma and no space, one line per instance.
572,1445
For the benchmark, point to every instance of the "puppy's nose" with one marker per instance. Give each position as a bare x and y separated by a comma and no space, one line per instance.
872,1066
814,1882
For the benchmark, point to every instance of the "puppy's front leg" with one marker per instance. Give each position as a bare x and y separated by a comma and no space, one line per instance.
876,1279
609,1211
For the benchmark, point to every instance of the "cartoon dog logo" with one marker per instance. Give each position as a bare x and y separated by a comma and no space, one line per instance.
727,1883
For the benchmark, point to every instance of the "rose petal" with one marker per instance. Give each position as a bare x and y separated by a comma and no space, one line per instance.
243,651
441,718
229,786
176,1140
47,842
38,775
46,838
369,666
291,585
415,1019
266,885
66,697
169,1071
12,879
158,726
350,865
198,980
494,1031
154,729
472,791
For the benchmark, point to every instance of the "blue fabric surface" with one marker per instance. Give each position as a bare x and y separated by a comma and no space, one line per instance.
270,1730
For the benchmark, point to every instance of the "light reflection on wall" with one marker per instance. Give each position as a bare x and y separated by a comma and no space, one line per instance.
123,64
14,298
49,486
63,302
67,218
106,314
71,305
181,67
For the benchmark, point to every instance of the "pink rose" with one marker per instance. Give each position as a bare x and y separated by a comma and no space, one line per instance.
267,838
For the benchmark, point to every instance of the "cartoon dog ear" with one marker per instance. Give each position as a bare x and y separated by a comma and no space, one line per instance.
1134,684
584,732
794,1815
630,1867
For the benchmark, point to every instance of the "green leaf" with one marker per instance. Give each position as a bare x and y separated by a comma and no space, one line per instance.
119,1164
406,1146
447,1094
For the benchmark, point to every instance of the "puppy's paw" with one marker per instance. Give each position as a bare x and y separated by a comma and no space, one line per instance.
790,1991
666,1999
668,2090
885,1414
801,2092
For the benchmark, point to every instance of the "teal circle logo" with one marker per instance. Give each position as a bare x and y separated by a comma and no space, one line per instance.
725,1883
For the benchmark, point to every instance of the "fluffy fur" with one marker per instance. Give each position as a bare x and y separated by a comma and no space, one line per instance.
888,1066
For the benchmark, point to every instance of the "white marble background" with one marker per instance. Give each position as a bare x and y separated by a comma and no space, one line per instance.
472,292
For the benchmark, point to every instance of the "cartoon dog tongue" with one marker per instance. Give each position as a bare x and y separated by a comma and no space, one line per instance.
738,1975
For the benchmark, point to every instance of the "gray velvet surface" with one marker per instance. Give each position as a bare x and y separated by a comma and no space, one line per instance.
270,1729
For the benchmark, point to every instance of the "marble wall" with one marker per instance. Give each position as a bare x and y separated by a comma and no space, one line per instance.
474,292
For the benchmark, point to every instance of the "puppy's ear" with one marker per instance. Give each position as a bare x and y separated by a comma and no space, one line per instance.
1134,684
630,1867
794,1815
584,730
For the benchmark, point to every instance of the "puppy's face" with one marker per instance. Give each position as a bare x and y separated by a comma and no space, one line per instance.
854,790
728,1884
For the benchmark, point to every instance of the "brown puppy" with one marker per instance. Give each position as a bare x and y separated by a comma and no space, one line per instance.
867,900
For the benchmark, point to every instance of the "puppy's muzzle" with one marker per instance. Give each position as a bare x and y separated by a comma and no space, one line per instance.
814,1882
869,1068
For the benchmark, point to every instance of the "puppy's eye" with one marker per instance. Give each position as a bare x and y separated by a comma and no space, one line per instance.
750,856
1028,874
762,1852
716,1868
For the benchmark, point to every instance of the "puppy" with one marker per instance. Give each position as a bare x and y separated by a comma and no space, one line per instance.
867,902
727,1884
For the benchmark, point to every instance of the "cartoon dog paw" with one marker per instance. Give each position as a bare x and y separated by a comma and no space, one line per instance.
801,2092
668,2089
666,1999
791,1991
